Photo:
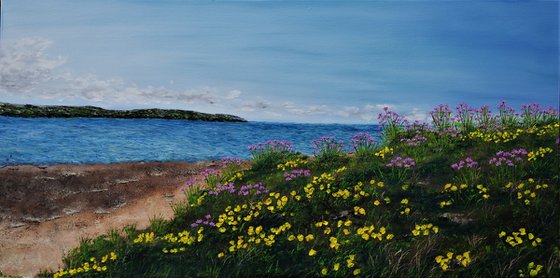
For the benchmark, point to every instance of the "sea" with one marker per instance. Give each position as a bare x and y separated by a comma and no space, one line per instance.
49,141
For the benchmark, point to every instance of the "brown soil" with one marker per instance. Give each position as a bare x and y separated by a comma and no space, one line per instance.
46,211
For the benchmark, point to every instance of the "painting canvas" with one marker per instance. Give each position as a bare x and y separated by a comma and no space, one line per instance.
279,138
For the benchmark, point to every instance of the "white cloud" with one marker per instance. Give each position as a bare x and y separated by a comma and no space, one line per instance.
233,94
25,64
309,110
258,105
367,113
27,71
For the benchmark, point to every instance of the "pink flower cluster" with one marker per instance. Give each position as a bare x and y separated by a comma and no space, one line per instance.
229,161
210,172
257,188
391,118
206,221
467,163
189,183
327,144
362,139
416,140
296,173
508,158
230,187
273,146
244,190
400,162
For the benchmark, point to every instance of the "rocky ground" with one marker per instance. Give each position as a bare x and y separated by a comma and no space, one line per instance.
46,211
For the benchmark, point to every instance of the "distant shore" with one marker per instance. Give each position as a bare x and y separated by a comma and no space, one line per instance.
55,111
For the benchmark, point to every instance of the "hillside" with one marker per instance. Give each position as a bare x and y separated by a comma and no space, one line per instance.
471,195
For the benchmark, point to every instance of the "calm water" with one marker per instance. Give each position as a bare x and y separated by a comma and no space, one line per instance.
86,140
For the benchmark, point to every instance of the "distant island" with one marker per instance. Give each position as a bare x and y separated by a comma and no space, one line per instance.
56,111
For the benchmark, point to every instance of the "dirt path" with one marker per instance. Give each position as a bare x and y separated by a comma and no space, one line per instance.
45,212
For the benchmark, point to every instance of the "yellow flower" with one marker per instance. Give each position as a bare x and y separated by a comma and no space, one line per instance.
312,252
356,271
502,234
300,237
324,271
336,266
404,201
309,237
376,203
221,254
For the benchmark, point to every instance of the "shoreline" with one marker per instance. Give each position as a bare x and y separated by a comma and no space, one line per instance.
46,210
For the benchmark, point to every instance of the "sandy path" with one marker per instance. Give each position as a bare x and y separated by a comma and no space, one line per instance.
28,247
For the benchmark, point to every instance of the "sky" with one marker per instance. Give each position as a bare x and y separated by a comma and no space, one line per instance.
284,61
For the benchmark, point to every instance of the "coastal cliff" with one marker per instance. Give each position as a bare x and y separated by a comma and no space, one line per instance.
55,111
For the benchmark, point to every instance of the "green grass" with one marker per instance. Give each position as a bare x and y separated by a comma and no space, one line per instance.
365,218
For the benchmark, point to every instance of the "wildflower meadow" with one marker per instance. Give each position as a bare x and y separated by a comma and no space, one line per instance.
473,193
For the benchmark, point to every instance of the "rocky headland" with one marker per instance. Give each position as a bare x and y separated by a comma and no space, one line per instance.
56,111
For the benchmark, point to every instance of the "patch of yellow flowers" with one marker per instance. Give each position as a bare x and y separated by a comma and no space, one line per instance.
526,191
519,237
384,152
292,164
425,229
541,152
453,188
368,232
448,260
92,265
532,268
443,204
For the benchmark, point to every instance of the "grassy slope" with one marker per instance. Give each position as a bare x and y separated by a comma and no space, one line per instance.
328,205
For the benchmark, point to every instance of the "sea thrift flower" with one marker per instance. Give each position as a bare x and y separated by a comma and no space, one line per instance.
205,221
362,144
256,189
416,140
327,145
230,187
442,117
400,162
188,184
273,145
508,158
296,173
467,163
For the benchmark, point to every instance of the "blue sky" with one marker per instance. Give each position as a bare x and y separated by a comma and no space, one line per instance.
280,61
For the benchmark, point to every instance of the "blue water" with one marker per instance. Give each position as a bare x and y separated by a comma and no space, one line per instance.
45,141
